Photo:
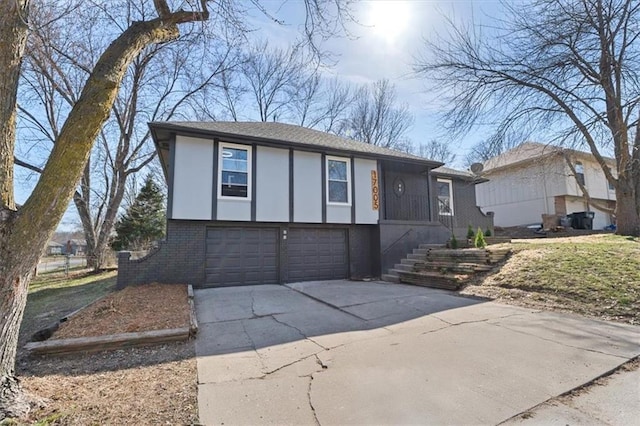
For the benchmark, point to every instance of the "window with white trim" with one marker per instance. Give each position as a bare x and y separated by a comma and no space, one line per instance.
580,173
445,197
234,171
338,180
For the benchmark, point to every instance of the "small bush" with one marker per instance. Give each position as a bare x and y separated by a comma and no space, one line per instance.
470,234
453,242
487,233
479,241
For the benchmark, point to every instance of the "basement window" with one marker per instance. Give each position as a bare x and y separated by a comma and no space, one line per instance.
234,171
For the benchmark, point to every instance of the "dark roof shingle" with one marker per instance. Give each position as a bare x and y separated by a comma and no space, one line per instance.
288,134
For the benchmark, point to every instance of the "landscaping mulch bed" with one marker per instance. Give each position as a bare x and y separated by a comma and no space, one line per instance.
141,386
137,308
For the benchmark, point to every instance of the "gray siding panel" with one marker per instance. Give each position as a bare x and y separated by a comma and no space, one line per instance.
272,185
338,214
238,210
307,187
363,191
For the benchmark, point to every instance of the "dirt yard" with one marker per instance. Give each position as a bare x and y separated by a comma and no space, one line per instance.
136,386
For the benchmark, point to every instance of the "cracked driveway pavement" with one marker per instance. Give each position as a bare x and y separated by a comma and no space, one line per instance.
341,352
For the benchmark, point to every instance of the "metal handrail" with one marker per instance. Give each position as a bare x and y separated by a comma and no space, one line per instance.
441,217
397,241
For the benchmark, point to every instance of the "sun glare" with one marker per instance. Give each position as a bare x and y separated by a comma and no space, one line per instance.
388,18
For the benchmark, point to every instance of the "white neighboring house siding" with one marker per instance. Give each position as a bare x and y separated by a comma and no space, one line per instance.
193,192
520,195
192,178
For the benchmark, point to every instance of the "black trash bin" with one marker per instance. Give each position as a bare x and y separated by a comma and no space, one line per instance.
582,220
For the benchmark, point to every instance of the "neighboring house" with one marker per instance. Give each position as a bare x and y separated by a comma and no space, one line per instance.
75,247
259,203
534,179
54,248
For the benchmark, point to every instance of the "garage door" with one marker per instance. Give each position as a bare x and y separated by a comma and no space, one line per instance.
241,256
317,254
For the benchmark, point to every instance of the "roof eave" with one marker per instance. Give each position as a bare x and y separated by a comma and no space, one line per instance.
233,137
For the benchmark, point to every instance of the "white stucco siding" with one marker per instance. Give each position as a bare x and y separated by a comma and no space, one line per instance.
238,210
272,185
307,187
192,179
363,196
338,214
518,214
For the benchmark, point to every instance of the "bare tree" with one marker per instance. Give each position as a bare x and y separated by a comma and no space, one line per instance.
24,232
376,118
155,87
493,146
436,150
571,67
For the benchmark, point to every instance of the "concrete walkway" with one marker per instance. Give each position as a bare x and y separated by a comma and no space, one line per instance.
343,352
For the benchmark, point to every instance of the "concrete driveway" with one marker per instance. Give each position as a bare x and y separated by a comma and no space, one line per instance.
342,352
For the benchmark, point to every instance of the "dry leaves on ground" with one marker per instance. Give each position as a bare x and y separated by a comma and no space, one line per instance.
135,386
133,309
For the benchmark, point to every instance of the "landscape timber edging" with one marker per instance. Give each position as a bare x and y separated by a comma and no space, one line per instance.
114,341
110,342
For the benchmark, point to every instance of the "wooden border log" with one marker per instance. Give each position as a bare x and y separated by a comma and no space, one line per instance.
101,343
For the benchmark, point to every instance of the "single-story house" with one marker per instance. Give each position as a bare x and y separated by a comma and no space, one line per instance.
74,247
533,179
259,203
54,248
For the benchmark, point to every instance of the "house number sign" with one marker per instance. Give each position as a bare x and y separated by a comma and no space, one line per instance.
375,191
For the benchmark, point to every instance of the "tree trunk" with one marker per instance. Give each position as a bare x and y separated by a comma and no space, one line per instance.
24,234
14,275
627,206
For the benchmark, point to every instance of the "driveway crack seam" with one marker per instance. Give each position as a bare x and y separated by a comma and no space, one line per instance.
324,302
299,332
313,409
560,343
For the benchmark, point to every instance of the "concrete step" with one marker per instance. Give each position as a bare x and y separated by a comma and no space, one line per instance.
403,267
390,278
431,246
417,256
421,251
411,261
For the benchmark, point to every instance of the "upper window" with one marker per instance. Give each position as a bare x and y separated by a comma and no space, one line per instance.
234,171
338,180
579,173
445,197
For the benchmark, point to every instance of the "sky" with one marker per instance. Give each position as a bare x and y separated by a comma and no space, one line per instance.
382,45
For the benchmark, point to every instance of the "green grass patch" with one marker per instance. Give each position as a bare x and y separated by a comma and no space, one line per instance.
598,275
53,296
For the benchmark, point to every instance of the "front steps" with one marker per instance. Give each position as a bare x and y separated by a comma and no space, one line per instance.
438,267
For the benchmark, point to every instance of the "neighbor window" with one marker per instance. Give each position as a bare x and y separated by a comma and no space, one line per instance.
234,172
611,187
445,197
579,173
338,180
